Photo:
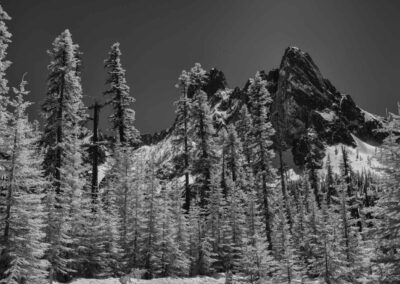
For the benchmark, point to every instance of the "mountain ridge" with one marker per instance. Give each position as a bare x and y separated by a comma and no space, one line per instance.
302,97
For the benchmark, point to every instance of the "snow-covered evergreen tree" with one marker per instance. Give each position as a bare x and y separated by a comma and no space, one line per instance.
182,139
112,253
215,217
328,263
68,212
233,203
5,39
123,117
117,195
63,109
56,235
261,137
170,259
181,232
233,153
349,248
135,215
235,226
291,267
347,175
64,114
313,160
388,231
5,138
197,79
94,256
151,218
243,128
76,203
313,222
201,251
329,181
23,237
301,229
258,263
205,156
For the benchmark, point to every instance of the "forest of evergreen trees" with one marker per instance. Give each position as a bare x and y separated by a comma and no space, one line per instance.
225,207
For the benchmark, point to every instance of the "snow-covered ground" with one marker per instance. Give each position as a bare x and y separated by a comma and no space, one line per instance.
327,115
197,280
362,158
369,116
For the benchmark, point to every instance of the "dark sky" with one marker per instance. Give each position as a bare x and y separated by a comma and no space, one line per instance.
356,44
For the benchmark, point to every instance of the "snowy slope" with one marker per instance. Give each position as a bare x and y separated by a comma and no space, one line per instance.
362,158
369,116
197,280
161,154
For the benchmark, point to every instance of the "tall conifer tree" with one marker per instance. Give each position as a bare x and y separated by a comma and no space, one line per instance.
63,108
123,116
261,134
5,138
388,231
23,236
182,126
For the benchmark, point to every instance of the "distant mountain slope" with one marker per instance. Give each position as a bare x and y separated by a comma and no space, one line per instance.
302,98
362,158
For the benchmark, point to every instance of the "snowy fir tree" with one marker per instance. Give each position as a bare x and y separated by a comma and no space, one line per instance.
329,181
151,219
68,217
180,228
63,109
389,207
6,137
23,237
347,174
75,202
117,197
349,247
328,264
314,155
170,258
123,117
290,265
182,126
5,39
204,156
243,126
261,133
257,263
303,231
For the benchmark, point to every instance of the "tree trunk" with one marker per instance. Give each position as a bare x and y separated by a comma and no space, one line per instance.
95,152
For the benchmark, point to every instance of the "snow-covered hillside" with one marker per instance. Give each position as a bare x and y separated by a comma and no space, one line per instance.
363,157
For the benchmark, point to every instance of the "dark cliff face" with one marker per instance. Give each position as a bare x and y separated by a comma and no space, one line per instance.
302,99
305,99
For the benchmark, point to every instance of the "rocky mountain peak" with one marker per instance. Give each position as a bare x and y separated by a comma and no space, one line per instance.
302,100
300,65
305,99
